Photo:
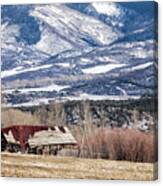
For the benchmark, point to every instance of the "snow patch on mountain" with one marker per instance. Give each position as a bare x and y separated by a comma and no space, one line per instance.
65,65
79,28
14,71
20,70
50,88
86,96
51,43
108,8
121,90
140,67
8,35
102,68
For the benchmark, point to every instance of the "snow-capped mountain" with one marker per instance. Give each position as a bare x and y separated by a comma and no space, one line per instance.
70,50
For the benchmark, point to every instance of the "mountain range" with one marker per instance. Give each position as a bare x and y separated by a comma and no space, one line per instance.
99,50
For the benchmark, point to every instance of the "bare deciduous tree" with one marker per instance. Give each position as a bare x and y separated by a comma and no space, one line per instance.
56,114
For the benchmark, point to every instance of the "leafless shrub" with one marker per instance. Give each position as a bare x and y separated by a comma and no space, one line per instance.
54,115
14,116
119,144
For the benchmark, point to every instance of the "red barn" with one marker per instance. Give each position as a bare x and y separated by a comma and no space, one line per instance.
26,137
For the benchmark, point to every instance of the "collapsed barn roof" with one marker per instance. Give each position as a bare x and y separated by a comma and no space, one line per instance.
38,135
52,137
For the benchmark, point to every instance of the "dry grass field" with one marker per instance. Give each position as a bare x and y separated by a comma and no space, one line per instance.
38,166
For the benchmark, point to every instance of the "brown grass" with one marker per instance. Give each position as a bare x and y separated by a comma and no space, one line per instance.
36,166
